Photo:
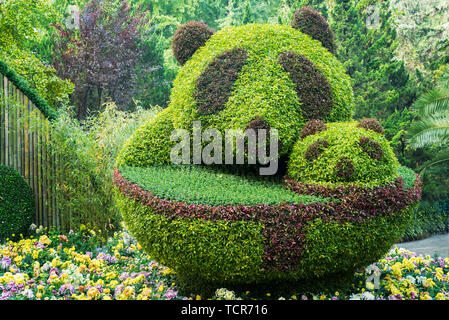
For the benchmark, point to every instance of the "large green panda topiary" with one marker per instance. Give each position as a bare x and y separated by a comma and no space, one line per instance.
331,215
16,203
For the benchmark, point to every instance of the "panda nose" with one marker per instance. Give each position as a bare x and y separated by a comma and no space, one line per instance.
344,168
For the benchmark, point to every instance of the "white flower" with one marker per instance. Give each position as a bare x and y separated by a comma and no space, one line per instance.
355,297
367,296
411,279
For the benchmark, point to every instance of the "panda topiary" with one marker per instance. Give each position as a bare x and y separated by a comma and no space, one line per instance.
342,203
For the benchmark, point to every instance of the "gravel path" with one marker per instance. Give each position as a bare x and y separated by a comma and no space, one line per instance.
436,244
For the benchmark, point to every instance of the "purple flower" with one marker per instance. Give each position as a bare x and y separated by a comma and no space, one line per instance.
123,276
171,294
5,262
39,245
5,295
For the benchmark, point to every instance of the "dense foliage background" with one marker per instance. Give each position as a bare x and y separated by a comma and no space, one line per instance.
394,50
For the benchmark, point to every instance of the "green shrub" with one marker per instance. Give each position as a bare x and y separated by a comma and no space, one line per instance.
428,219
88,151
16,205
150,144
263,87
351,155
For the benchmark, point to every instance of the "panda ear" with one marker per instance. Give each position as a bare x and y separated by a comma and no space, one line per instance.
311,22
188,38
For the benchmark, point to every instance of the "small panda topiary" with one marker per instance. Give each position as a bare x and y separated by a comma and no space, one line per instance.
343,153
342,204
16,203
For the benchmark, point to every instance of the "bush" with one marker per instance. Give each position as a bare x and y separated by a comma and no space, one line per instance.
263,87
353,156
311,22
150,144
371,124
16,205
429,218
188,38
88,151
219,229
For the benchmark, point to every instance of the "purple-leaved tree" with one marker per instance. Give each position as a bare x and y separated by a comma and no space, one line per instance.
101,57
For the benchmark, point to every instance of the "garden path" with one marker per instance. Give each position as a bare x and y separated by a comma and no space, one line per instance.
437,244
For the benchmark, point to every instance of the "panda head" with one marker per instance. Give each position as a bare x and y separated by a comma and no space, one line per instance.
278,75
355,153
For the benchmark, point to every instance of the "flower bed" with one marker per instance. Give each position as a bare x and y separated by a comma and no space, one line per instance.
53,267
72,267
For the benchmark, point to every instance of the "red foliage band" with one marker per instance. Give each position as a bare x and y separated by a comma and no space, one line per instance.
284,224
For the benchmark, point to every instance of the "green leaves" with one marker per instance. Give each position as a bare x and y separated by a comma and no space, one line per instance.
202,185
16,205
371,167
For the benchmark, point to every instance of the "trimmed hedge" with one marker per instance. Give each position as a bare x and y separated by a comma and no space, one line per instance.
16,203
263,88
150,144
246,244
188,38
354,156
311,22
23,86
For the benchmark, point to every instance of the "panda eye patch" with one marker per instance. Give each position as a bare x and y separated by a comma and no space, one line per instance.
312,86
371,147
314,151
214,86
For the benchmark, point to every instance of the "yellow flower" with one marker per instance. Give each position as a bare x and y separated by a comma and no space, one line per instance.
369,286
425,296
441,296
44,240
92,293
396,268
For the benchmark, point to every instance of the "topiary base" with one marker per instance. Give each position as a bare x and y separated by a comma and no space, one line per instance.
342,282
259,245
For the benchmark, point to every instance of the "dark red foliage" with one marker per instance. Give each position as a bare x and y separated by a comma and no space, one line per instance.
102,58
311,127
371,124
312,87
311,22
214,86
188,38
284,224
315,149
344,169
372,148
